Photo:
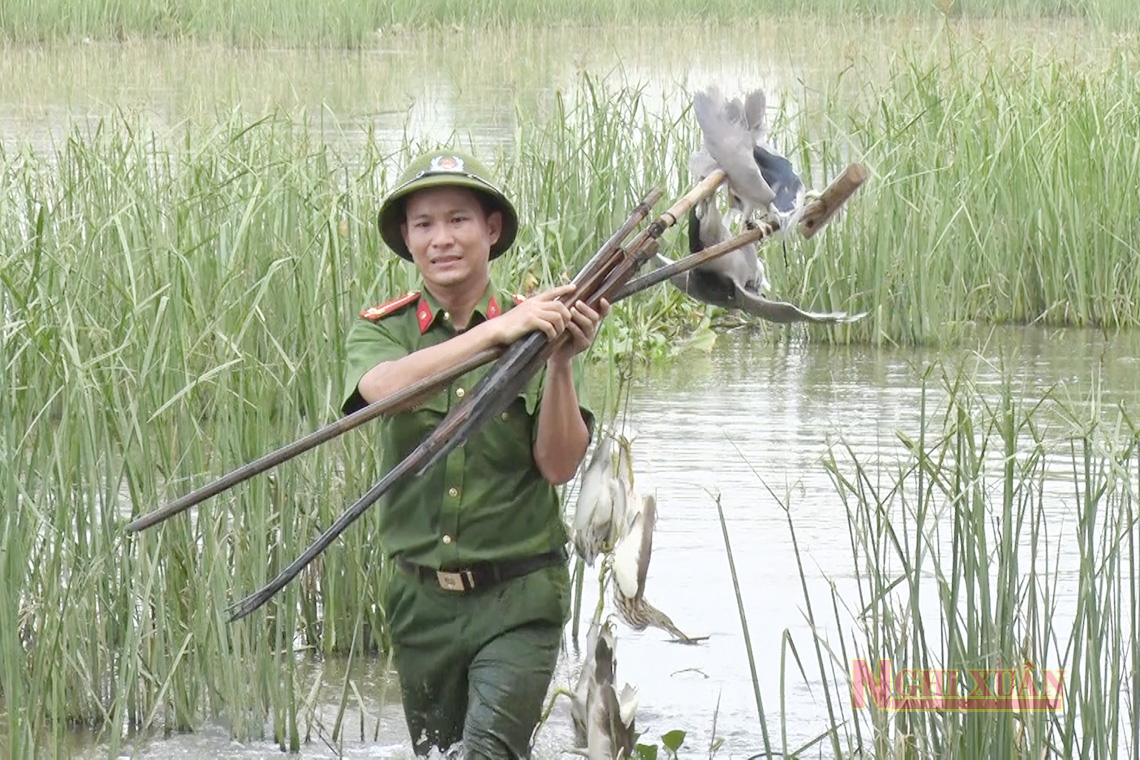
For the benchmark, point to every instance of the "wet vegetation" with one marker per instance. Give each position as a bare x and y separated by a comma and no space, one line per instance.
175,305
358,23
956,565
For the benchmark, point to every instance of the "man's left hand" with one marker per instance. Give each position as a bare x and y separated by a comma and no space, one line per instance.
583,328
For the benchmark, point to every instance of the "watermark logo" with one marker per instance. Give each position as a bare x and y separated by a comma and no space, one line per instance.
1023,689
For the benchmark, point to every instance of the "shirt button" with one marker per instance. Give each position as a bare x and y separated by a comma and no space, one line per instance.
453,492
459,392
447,315
447,539
504,416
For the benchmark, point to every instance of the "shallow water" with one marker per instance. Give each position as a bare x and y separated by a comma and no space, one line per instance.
435,86
748,414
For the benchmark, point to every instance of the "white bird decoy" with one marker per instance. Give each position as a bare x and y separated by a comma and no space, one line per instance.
606,490
630,568
587,683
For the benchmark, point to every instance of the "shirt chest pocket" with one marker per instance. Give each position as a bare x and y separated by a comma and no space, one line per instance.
505,439
508,437
408,429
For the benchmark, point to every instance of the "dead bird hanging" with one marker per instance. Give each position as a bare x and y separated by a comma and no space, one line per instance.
762,187
609,274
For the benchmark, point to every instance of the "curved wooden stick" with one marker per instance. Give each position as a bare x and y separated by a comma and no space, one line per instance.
602,276
394,402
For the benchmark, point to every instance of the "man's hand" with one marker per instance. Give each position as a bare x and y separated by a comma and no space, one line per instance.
583,328
540,312
544,312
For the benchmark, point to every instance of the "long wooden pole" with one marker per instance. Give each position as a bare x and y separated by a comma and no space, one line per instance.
818,213
497,388
393,402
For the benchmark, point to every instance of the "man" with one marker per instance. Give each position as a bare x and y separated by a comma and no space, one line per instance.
481,591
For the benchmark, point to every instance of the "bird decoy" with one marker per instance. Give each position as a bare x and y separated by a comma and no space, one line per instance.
777,171
728,145
587,684
630,566
737,280
601,512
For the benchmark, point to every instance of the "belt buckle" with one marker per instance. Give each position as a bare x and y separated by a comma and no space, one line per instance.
461,580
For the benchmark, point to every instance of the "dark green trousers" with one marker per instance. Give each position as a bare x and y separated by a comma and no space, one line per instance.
475,666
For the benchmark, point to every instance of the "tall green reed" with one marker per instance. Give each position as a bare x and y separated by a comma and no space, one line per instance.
176,305
1003,533
1001,192
361,24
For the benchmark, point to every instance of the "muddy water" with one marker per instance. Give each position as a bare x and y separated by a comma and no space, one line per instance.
749,415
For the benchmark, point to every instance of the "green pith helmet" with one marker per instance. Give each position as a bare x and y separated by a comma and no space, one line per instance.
436,169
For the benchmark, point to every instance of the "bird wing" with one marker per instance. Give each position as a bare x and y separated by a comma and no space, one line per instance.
783,312
633,552
594,508
754,106
649,522
781,177
628,700
727,141
580,700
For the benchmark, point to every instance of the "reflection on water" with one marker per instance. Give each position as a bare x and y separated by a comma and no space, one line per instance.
748,414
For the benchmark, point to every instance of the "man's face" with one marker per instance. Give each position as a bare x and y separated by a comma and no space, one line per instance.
449,235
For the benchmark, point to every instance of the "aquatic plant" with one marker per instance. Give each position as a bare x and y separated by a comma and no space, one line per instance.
175,304
955,568
361,24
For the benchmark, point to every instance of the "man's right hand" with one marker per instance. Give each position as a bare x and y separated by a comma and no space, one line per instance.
542,312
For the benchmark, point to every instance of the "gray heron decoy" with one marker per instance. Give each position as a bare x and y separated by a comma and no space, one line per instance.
728,144
737,279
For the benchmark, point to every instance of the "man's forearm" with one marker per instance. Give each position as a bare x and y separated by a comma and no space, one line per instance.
562,436
390,377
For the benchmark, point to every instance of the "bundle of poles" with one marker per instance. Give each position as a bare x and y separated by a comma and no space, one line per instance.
609,274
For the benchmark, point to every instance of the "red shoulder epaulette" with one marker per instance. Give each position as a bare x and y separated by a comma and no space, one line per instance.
376,312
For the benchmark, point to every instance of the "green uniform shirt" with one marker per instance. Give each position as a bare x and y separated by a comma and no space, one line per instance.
486,500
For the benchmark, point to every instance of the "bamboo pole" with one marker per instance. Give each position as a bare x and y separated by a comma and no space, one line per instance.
497,388
390,404
818,213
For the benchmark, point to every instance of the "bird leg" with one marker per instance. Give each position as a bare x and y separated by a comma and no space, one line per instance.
603,576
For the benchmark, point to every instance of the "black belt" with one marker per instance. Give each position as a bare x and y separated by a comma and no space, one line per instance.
481,574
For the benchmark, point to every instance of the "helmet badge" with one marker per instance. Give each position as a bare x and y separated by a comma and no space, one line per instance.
447,164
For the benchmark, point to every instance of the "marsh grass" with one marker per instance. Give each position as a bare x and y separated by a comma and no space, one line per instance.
1001,192
361,24
176,304
1003,532
175,307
